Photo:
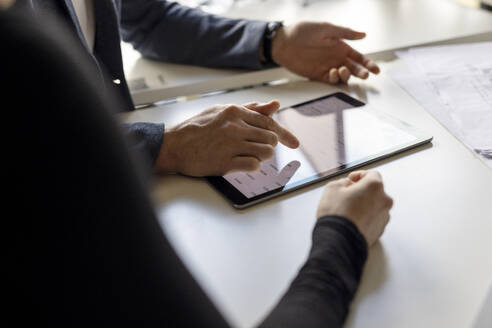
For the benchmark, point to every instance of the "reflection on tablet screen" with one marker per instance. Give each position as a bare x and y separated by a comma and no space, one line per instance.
332,133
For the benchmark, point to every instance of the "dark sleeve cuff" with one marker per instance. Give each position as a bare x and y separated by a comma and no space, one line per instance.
146,139
255,31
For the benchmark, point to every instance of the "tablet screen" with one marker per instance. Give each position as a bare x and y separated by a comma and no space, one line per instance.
334,131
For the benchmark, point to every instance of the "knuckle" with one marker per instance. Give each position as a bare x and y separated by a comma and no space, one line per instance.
264,152
231,110
375,185
376,175
252,165
389,202
268,151
230,128
269,122
273,138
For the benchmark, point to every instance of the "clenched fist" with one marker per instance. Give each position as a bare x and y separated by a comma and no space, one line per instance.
361,199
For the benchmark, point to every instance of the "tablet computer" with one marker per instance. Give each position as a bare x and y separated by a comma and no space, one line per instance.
337,133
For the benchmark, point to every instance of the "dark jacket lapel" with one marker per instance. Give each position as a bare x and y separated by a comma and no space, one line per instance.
67,4
107,48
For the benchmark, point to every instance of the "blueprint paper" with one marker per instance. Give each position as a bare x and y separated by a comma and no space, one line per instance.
454,83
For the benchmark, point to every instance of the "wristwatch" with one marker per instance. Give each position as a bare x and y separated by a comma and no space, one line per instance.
486,4
270,33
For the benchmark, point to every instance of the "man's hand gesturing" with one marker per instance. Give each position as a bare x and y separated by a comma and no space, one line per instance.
222,139
318,51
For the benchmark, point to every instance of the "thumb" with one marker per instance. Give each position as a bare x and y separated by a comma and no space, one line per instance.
288,172
266,109
357,175
368,179
343,33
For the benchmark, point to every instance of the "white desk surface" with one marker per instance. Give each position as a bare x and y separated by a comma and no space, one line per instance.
389,24
432,267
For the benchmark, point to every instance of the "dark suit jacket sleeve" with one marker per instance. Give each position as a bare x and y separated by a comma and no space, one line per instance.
171,32
146,139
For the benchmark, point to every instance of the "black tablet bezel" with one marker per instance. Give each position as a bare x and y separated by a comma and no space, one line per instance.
238,200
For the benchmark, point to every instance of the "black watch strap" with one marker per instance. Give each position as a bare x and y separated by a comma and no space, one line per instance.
270,32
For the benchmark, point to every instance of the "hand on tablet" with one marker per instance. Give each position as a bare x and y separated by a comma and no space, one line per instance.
361,199
222,139
317,51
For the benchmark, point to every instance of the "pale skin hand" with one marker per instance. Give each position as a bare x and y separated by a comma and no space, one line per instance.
222,139
317,51
361,199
